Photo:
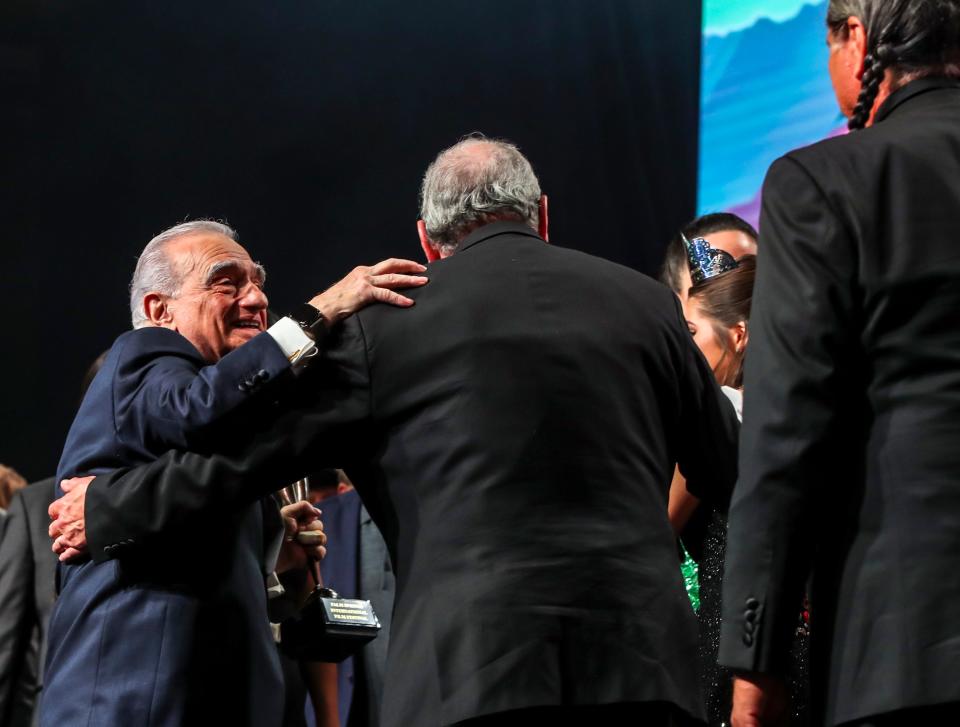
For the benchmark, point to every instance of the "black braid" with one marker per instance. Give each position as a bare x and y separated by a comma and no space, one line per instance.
874,67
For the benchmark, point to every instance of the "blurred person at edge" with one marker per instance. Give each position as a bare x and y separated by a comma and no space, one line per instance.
178,634
27,570
849,464
10,482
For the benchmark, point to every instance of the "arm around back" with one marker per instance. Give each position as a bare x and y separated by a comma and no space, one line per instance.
326,425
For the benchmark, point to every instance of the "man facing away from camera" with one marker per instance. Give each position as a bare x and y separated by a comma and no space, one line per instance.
513,435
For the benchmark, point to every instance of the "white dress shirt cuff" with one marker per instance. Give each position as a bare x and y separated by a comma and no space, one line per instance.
296,345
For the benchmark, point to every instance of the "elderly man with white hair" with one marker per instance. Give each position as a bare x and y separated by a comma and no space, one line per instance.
517,460
171,628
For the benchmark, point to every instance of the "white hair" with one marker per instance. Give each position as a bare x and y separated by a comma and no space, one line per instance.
157,273
466,187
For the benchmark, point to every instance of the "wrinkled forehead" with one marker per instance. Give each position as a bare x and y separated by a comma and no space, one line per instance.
201,257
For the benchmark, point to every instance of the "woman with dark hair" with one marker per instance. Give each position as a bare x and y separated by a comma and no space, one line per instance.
717,309
717,312
850,465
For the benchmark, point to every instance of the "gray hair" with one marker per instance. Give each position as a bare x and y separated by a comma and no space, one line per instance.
476,181
157,273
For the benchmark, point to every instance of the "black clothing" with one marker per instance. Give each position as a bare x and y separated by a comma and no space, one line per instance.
717,680
850,462
643,714
27,568
938,714
513,435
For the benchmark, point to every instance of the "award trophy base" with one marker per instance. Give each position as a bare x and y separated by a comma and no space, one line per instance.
329,628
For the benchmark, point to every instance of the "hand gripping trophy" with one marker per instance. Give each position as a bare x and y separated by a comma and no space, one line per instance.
328,627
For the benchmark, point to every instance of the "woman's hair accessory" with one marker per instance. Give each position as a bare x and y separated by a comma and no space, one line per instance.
706,262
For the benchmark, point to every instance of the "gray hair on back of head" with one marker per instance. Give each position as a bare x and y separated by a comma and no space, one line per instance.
157,273
463,189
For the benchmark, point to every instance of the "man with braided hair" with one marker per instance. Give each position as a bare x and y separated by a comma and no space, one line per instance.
850,465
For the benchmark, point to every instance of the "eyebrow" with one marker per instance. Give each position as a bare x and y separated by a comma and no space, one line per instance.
260,273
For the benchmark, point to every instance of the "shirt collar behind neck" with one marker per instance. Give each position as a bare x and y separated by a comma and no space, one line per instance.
910,90
502,227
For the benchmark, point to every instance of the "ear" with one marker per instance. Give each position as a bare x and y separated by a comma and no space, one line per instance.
740,336
856,44
428,249
544,227
157,309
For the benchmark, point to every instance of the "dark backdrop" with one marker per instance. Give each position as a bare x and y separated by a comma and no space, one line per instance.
306,124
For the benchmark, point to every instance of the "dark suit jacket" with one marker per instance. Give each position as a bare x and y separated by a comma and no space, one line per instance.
850,459
27,567
377,584
513,435
175,632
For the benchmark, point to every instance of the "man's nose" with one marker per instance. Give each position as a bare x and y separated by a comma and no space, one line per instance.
254,297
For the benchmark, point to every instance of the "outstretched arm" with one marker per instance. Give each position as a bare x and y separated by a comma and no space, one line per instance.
160,398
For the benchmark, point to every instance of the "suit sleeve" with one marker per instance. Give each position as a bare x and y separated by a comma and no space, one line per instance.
329,424
799,384
164,401
709,428
16,605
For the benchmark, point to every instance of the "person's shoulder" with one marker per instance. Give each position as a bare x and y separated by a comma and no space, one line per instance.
142,347
816,159
602,269
156,339
852,153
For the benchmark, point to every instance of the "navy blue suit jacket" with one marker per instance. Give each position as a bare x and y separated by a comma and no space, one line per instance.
172,635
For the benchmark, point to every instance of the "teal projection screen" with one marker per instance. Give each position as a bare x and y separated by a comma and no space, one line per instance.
764,91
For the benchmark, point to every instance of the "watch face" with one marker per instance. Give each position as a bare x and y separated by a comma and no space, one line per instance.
310,320
307,316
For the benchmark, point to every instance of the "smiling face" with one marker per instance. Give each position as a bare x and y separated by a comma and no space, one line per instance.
221,304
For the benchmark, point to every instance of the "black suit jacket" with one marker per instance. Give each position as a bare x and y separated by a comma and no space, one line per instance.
27,569
850,460
378,584
513,435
